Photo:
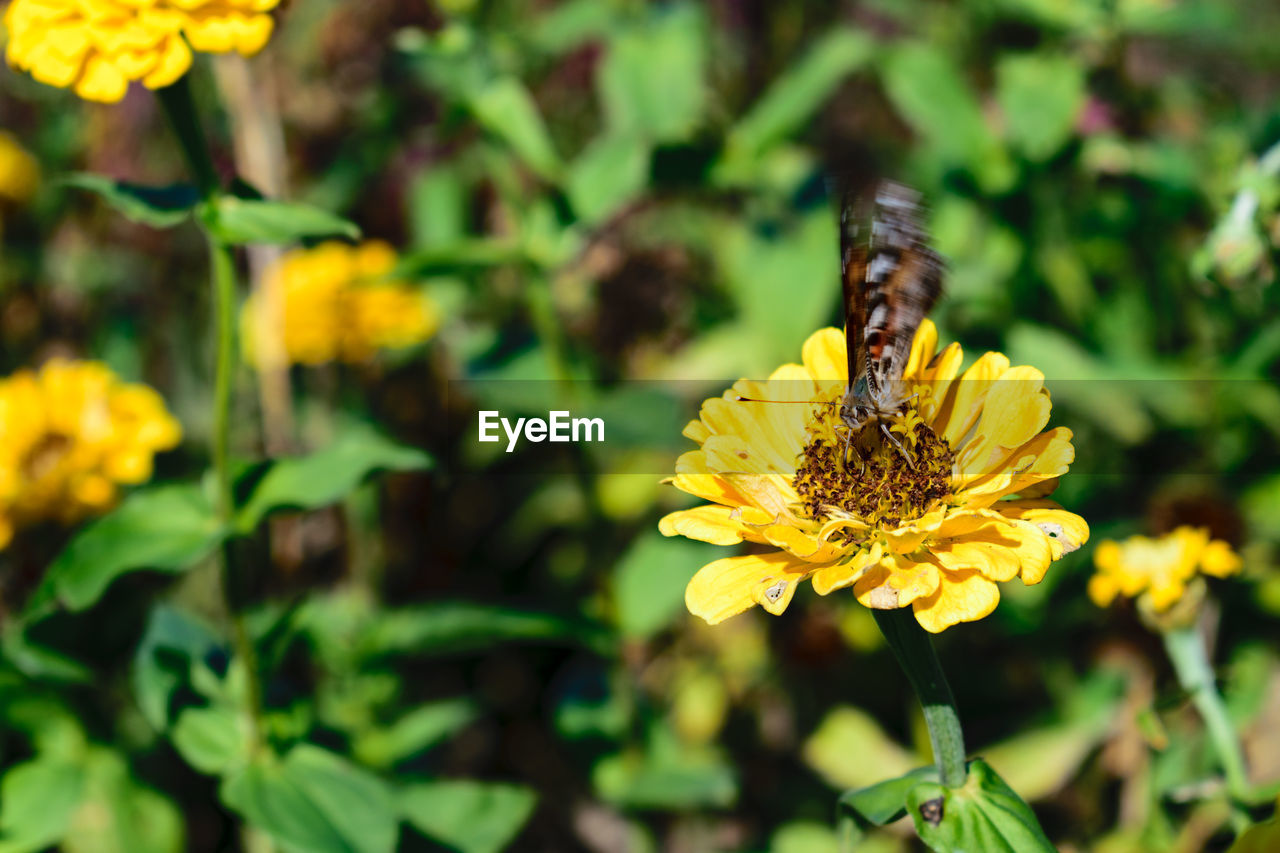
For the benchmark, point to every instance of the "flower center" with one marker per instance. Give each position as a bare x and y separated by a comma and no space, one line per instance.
877,482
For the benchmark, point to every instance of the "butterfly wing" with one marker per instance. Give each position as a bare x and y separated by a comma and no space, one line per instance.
892,278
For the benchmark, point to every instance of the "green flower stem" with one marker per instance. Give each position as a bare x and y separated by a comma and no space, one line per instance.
1186,650
180,109
913,648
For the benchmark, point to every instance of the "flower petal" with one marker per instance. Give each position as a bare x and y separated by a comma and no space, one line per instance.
731,585
712,523
960,597
895,582
839,575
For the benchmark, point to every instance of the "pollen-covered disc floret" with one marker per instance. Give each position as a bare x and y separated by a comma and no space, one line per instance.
97,47
840,475
931,506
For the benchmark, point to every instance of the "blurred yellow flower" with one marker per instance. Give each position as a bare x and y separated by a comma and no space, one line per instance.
19,172
96,47
335,305
70,434
1160,569
936,531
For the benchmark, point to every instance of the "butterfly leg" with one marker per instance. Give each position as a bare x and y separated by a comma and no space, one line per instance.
896,442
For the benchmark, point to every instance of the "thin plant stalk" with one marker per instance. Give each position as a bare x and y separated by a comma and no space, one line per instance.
179,108
1186,649
914,650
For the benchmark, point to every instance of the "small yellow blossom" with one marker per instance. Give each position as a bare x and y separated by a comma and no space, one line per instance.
335,304
97,47
70,434
1159,570
19,172
935,524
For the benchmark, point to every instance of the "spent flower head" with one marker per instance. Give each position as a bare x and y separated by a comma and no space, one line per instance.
935,524
70,434
97,47
334,303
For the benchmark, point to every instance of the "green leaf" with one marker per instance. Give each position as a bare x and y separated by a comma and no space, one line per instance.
928,90
415,732
159,207
667,774
471,817
37,801
505,108
452,627
983,814
118,815
649,581
164,528
213,739
1040,95
314,802
328,475
610,172
796,94
884,802
652,78
851,750
240,221
172,645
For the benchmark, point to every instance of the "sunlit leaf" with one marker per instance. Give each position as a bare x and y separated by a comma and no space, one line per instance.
470,817
851,750
1041,96
649,581
238,221
159,207
506,109
610,172
37,801
651,79
983,814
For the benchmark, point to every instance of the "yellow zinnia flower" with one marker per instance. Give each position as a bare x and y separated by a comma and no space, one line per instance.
1159,570
335,305
19,172
96,47
934,525
70,434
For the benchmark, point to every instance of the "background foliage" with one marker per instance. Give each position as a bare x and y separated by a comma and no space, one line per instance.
461,653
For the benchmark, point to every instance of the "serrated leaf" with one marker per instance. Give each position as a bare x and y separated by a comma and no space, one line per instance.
241,221
162,528
159,207
471,817
328,475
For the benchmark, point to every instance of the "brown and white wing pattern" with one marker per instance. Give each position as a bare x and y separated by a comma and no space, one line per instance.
891,278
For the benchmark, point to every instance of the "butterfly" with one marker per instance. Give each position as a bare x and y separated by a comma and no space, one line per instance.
890,277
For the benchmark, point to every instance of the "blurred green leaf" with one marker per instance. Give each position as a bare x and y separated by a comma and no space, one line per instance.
37,801
437,207
851,750
159,207
799,91
566,26
214,739
415,732
164,528
240,221
452,627
666,774
1041,96
172,645
610,172
651,79
649,581
931,94
470,817
504,107
983,814
313,801
328,475
804,837
118,815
